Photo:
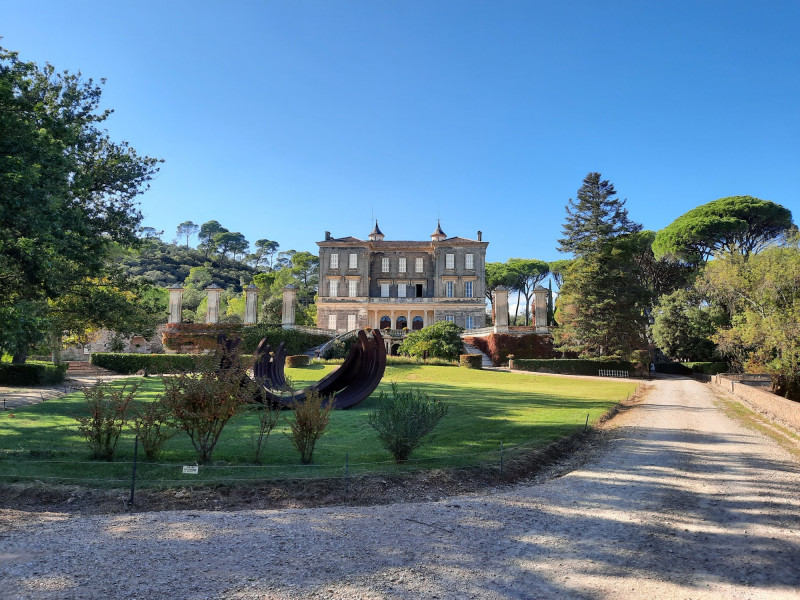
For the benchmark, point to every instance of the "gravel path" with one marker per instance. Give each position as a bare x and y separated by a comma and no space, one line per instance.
681,503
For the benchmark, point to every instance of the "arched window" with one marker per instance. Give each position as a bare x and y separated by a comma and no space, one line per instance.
386,322
401,322
416,323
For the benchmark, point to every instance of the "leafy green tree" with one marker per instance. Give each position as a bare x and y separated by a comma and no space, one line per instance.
265,250
208,230
761,294
684,325
67,190
187,229
440,340
526,274
231,241
597,217
497,274
557,270
738,224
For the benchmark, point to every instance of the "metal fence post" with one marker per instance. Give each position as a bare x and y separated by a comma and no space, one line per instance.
133,476
346,474
501,458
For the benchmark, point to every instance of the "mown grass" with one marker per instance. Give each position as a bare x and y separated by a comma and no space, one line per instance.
487,408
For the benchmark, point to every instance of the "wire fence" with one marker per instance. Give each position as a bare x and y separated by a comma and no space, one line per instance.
612,373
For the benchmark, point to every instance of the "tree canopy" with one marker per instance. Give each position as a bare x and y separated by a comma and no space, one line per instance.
737,224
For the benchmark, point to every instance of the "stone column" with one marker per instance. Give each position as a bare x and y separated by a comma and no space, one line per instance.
540,308
250,301
289,304
175,303
500,304
213,293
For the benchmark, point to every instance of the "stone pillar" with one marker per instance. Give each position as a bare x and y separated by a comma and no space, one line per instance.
500,305
289,304
540,308
250,301
175,303
213,293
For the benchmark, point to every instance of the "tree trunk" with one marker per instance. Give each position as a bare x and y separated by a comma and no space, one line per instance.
19,358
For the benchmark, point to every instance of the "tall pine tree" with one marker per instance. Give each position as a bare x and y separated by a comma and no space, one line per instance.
601,301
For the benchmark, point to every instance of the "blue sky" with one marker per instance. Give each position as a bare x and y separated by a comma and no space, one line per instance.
285,119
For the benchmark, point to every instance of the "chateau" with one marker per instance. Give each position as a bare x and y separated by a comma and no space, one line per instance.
387,284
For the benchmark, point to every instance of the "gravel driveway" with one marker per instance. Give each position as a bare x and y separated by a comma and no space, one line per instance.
681,503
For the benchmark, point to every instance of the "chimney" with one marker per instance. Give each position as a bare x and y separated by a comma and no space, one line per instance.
480,236
327,236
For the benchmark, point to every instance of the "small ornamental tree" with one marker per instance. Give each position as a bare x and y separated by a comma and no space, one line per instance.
108,408
403,420
311,419
153,425
440,340
203,403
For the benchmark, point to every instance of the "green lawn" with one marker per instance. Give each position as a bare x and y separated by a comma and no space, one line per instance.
487,408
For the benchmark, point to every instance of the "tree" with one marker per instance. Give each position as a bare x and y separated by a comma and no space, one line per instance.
206,236
557,270
683,326
187,229
497,274
738,224
440,340
526,274
761,295
67,190
231,241
596,218
265,249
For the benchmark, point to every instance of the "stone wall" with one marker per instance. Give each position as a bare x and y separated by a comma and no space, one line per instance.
776,407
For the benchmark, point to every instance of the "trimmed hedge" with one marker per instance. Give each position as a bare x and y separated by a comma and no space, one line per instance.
125,363
706,368
297,341
33,373
571,366
298,360
471,361
197,337
497,346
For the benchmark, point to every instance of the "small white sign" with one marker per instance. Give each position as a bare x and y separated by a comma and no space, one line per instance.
192,470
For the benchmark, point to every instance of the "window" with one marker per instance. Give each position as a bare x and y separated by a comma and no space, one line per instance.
468,261
469,322
417,323
333,288
353,262
450,318
401,264
449,261
352,288
384,290
418,265
351,322
449,289
385,265
332,322
334,261
401,290
401,322
418,290
467,289
386,322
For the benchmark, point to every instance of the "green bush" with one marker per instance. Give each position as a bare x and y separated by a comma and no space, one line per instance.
311,418
571,366
404,420
471,361
672,368
32,373
440,340
108,408
151,363
297,341
708,368
340,348
296,361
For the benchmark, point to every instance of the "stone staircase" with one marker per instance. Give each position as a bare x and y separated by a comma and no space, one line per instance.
486,362
81,369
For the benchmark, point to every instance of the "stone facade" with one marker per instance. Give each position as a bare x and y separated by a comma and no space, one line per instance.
395,284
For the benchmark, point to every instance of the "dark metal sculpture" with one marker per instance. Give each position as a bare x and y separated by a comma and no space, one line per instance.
352,382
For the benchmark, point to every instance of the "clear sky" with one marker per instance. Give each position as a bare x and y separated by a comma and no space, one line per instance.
285,119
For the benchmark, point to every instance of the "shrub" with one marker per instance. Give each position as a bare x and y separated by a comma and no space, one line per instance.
571,366
311,418
108,407
497,346
471,361
404,420
297,341
202,404
196,337
299,360
32,373
152,363
153,425
707,368
440,340
340,348
268,416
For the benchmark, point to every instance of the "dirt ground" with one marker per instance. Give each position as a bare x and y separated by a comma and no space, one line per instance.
673,500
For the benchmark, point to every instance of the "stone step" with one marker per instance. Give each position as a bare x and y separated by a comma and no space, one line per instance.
84,368
486,362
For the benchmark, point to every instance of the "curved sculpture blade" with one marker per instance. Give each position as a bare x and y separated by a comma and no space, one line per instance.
351,383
